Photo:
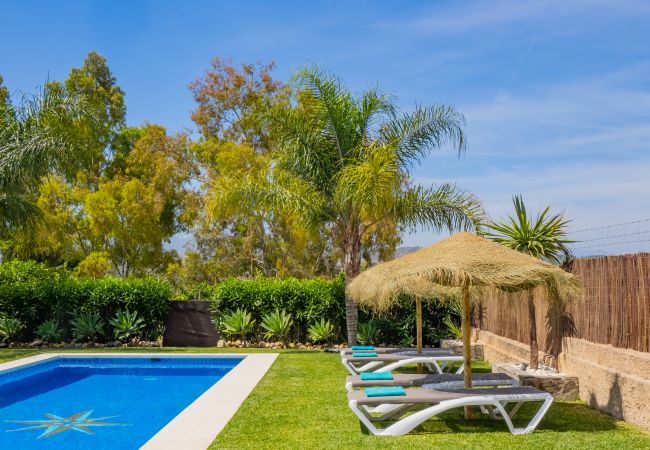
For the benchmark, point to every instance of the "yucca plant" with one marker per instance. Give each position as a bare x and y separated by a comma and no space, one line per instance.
321,331
368,333
453,327
9,328
126,325
542,237
49,331
407,341
277,325
87,327
239,323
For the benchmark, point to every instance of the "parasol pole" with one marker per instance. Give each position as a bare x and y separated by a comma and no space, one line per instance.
467,345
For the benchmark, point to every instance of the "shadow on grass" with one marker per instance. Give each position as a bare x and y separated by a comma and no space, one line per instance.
562,417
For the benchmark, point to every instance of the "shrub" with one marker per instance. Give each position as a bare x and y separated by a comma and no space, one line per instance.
306,300
126,325
238,323
454,329
87,327
321,331
277,325
32,292
9,328
49,331
368,332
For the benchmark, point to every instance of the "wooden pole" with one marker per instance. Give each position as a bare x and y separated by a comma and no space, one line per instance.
418,323
418,326
467,346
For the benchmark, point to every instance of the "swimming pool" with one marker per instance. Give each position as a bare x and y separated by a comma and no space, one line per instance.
102,402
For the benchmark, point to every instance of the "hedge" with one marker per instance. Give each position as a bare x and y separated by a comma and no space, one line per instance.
311,300
34,293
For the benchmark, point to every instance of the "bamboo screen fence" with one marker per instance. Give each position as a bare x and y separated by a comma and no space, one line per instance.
615,309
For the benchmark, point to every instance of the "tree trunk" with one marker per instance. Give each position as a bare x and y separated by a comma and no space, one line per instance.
534,359
352,262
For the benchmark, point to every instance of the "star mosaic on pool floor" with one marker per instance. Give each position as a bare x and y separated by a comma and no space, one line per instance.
54,424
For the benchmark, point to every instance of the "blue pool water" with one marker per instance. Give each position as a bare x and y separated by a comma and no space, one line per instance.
100,403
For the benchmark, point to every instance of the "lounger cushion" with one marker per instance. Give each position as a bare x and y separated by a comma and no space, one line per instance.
364,354
385,391
374,376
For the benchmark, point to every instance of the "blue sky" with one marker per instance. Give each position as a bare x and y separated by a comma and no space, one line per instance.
556,93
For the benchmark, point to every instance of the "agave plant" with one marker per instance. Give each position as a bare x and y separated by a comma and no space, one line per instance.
321,331
9,328
126,325
368,333
277,325
49,331
87,327
238,323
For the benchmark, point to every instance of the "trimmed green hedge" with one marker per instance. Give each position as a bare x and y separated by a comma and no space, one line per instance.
34,293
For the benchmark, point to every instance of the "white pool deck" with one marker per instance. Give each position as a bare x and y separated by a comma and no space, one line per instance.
198,425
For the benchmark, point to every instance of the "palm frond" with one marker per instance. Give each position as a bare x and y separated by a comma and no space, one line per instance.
443,208
426,129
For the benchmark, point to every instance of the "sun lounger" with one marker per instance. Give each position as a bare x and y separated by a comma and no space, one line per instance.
398,350
429,403
432,381
373,362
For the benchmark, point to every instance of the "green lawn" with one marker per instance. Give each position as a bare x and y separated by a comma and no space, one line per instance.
300,404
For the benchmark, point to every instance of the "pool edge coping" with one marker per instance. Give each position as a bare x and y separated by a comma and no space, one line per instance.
201,422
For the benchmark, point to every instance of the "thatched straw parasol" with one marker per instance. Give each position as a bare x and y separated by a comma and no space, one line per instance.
462,261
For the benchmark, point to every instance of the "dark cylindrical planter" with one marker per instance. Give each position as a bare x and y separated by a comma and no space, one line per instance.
188,324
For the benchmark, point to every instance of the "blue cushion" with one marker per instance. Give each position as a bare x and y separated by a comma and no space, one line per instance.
385,391
368,376
364,354
363,347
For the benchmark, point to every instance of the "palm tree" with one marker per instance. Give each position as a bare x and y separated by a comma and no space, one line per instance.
543,237
345,161
37,136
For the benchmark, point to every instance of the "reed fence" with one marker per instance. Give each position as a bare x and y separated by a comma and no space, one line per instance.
615,308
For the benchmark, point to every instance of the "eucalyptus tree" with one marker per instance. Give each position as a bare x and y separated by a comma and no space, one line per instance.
542,237
36,137
345,161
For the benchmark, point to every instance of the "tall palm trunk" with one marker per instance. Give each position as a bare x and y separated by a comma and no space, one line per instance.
534,359
352,263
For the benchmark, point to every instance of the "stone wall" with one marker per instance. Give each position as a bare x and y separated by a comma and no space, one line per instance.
614,380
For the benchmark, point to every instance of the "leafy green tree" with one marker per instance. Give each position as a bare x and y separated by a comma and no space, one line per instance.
345,161
97,86
542,237
234,237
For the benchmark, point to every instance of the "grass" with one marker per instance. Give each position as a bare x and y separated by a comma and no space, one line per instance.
301,403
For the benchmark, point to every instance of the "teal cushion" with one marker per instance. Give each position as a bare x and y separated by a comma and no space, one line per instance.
363,347
368,376
364,354
385,391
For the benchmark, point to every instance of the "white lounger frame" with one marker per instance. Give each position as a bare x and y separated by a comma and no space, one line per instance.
436,364
494,405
